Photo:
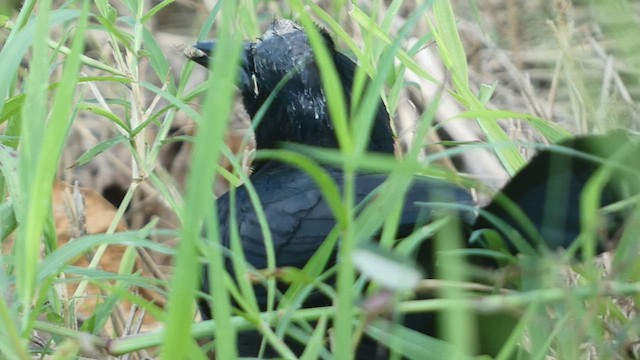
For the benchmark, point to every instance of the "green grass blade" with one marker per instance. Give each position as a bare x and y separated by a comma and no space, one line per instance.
452,54
412,344
96,150
198,202
7,219
28,236
18,43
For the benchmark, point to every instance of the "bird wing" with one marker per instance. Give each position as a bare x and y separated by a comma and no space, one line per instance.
300,219
548,190
287,197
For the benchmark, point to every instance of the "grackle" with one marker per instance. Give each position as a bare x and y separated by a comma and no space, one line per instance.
300,219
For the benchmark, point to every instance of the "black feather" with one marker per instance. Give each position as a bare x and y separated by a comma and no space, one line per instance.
281,64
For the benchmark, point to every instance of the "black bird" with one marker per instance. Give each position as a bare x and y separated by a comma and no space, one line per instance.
549,189
299,113
298,216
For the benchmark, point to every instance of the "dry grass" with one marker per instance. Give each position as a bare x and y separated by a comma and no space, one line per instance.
515,44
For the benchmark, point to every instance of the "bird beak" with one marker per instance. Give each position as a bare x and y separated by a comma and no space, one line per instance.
201,53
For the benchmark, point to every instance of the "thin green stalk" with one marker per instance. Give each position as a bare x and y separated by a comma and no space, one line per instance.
12,333
43,141
28,235
343,318
452,53
330,80
59,47
456,324
198,203
485,304
338,113
97,256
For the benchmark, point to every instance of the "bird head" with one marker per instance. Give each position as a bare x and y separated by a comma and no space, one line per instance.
281,64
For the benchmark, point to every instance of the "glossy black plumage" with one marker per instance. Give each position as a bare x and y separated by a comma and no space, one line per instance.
549,189
299,113
299,218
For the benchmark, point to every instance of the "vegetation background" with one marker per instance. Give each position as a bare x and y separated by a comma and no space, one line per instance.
98,94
